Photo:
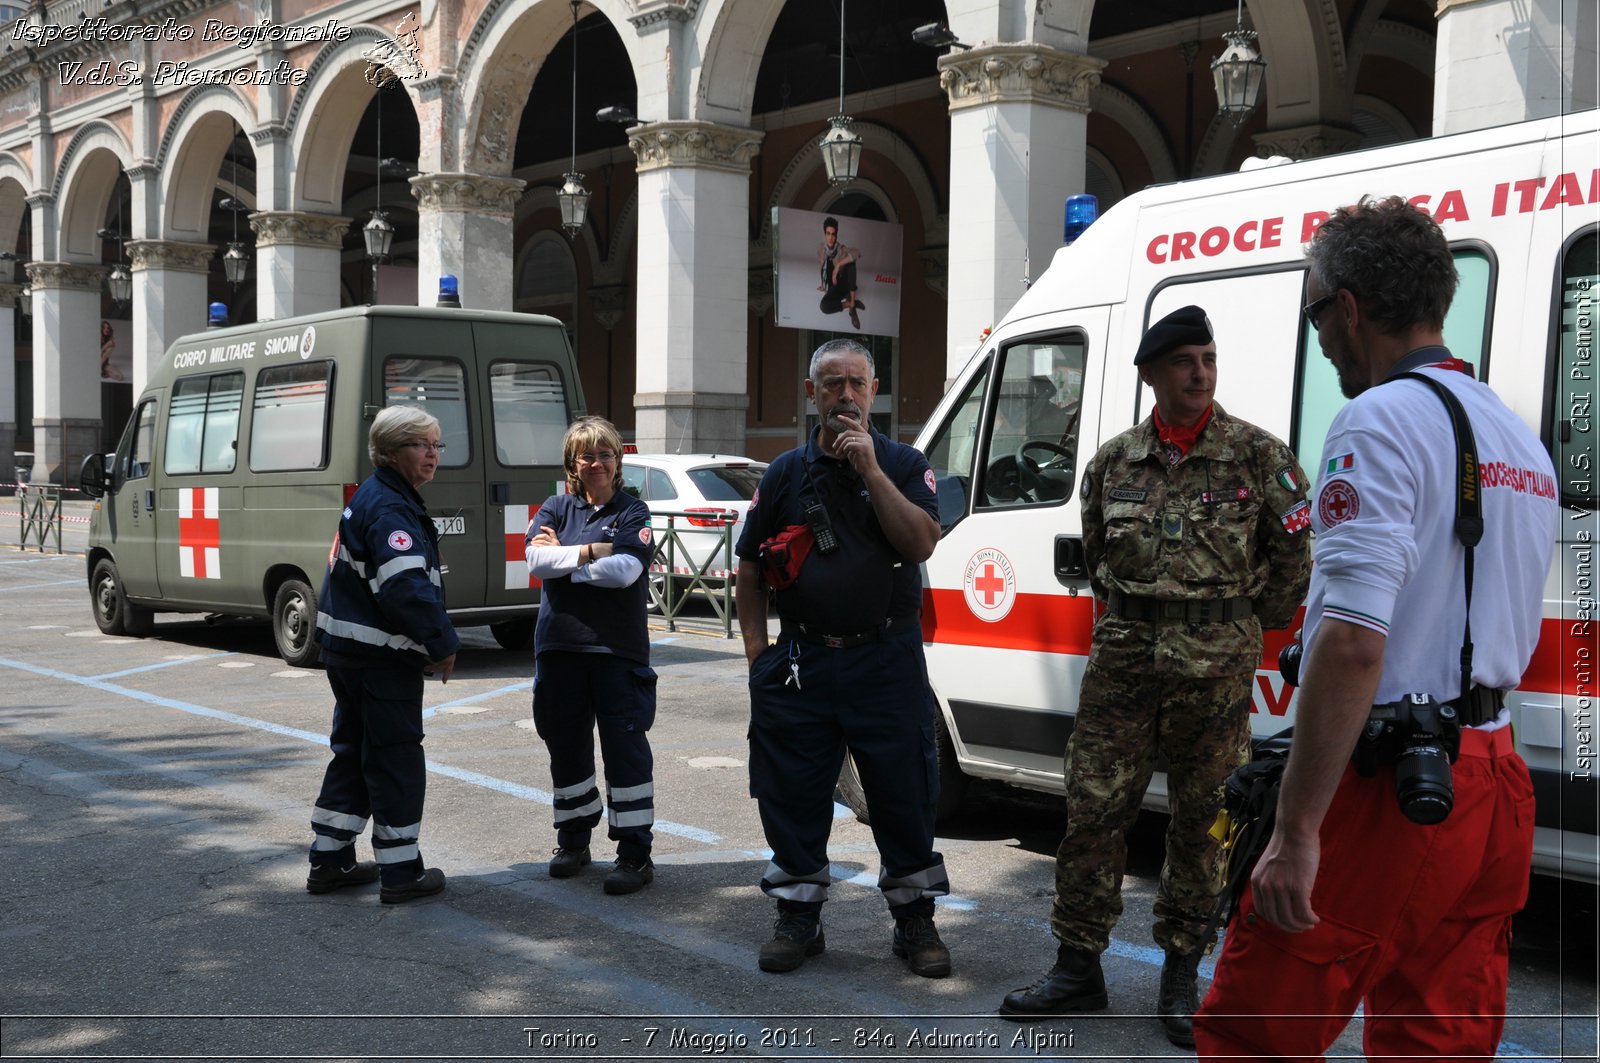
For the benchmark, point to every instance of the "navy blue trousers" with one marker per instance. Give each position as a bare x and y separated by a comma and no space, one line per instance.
574,694
377,771
875,700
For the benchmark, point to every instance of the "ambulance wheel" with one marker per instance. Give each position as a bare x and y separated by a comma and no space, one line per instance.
294,623
952,783
113,613
513,634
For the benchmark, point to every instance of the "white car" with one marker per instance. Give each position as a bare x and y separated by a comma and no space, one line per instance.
707,496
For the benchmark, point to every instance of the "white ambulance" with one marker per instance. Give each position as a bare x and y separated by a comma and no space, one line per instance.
1007,605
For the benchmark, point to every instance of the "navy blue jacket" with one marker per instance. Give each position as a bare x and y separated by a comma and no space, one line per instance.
382,600
583,617
866,581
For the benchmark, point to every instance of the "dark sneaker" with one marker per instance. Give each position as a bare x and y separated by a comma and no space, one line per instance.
426,884
328,879
916,941
568,862
795,936
630,876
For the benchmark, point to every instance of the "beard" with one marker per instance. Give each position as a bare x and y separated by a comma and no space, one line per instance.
849,409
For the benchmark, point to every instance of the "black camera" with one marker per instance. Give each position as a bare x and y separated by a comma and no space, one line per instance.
1289,662
1421,738
822,528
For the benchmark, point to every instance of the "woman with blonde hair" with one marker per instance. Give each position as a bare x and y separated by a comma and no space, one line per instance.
590,548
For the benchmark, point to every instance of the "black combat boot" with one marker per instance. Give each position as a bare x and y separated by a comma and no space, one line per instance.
1179,998
1075,983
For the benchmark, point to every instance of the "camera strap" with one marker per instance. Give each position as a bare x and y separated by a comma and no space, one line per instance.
1469,505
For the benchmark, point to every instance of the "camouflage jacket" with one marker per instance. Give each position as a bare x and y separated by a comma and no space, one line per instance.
1229,520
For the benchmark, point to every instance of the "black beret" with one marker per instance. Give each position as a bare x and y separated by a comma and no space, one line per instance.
1185,325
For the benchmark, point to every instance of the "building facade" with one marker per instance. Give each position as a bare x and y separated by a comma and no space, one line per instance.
142,140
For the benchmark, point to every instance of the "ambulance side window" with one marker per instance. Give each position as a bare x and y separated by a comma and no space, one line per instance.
203,424
141,443
1575,445
530,413
289,417
438,387
1032,450
952,451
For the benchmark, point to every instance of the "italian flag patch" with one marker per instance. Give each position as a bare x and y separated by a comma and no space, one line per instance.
1343,463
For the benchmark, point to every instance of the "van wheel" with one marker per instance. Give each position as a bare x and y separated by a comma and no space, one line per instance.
513,634
294,623
952,783
655,600
113,613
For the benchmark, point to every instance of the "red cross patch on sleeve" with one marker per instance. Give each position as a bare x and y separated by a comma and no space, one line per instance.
400,540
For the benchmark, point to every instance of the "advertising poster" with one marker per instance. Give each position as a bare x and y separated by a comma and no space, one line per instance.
116,351
836,274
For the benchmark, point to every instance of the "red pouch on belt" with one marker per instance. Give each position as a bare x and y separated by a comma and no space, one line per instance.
784,553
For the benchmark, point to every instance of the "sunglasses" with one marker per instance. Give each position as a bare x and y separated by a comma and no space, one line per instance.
1314,309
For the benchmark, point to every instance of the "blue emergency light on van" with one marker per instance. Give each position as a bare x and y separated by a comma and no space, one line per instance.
216,315
449,291
1082,209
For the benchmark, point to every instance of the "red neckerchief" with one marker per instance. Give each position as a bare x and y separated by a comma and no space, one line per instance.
1179,438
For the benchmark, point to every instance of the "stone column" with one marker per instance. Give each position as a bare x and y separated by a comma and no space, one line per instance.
1500,61
66,367
169,298
693,317
8,382
297,262
465,227
1018,120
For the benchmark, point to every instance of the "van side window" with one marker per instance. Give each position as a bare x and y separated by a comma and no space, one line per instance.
1573,440
440,388
953,450
138,449
289,417
203,424
1466,330
530,413
1031,456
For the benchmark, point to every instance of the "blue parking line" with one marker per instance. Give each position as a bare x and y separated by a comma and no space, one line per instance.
163,664
511,789
36,586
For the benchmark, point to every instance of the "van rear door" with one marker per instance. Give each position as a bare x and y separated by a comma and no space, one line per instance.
430,364
1007,603
526,374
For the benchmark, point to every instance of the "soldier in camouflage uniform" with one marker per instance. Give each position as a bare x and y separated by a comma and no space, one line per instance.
1194,528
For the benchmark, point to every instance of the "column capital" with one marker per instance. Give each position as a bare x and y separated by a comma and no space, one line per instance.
761,293
468,192
701,145
71,276
1019,73
1306,142
298,228
652,14
608,305
170,254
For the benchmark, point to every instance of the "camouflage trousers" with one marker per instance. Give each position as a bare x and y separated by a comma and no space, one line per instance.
1202,725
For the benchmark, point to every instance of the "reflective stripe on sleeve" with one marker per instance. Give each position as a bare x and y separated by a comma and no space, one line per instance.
370,636
393,567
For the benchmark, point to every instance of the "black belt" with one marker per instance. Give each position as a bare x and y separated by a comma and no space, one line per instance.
1481,705
809,633
1191,610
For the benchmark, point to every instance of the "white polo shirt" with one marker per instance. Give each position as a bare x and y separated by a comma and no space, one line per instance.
1386,554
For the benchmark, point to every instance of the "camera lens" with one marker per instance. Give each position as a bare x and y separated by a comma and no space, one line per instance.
1422,783
1289,663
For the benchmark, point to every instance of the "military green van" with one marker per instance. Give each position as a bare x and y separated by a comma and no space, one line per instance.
225,490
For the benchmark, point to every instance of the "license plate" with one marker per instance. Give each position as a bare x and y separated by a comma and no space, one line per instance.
450,525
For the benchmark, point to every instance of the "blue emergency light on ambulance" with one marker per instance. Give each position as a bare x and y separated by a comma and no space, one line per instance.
217,315
449,291
1081,211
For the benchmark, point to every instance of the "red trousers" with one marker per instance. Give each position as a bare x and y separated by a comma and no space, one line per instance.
1415,926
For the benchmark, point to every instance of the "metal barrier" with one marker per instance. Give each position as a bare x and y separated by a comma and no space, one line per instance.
41,514
675,576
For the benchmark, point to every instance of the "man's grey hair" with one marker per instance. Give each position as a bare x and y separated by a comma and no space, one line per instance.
1390,255
394,427
843,346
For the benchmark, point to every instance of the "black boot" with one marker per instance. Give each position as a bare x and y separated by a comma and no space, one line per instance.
1075,983
1179,997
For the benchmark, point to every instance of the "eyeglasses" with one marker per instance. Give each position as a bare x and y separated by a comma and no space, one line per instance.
418,444
1315,307
604,457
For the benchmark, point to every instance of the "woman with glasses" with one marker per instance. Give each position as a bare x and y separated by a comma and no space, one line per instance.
590,548
381,624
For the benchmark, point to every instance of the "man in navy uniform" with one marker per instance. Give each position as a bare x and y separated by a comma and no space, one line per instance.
837,530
